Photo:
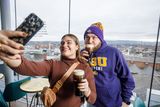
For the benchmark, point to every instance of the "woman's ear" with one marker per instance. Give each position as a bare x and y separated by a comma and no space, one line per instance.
77,47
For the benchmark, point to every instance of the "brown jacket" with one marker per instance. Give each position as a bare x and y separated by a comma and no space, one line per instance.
54,70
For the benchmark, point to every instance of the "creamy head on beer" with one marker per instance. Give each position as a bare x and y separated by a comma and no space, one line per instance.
89,46
78,72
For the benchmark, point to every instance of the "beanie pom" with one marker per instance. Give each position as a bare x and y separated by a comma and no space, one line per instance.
99,25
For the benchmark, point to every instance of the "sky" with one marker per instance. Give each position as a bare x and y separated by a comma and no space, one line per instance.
122,19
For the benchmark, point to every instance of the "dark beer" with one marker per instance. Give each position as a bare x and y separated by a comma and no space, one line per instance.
89,48
78,77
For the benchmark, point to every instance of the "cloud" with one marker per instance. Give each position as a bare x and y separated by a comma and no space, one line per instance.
118,16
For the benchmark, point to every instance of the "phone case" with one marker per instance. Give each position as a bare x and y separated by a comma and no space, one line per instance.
31,25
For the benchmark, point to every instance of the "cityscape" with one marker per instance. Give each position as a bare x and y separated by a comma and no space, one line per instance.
139,55
132,50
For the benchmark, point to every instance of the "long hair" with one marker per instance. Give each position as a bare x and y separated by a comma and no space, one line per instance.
76,40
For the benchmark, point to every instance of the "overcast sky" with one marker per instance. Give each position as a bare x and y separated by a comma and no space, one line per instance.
122,19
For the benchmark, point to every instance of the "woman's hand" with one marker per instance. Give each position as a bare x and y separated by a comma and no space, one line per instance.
9,50
7,45
11,60
84,87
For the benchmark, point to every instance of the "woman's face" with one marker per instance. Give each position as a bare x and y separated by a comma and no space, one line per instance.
68,47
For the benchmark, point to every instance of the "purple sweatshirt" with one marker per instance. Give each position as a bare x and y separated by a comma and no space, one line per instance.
114,81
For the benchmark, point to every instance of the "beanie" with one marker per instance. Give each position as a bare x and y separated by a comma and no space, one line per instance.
97,29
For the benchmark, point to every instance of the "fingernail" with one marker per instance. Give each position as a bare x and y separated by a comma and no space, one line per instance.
25,34
21,47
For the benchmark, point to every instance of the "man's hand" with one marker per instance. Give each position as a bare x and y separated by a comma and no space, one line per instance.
124,104
84,55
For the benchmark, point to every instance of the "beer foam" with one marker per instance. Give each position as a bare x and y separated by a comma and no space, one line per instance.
78,72
89,46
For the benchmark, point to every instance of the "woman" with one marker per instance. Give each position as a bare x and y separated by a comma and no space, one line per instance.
70,53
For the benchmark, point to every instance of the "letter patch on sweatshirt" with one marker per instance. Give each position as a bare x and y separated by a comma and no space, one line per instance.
98,63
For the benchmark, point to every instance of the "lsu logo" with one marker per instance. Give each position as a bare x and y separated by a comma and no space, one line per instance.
89,31
98,61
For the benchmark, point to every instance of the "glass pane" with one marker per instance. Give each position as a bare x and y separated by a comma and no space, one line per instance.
53,13
55,16
130,26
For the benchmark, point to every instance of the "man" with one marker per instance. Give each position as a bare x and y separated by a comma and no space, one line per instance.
114,82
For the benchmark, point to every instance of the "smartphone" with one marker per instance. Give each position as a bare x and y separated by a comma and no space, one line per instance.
31,25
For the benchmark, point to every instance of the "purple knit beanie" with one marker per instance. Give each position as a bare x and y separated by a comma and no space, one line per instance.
97,29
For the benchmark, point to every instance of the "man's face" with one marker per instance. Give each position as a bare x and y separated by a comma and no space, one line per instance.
94,40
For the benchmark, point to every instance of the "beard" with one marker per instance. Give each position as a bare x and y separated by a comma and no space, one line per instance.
97,47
